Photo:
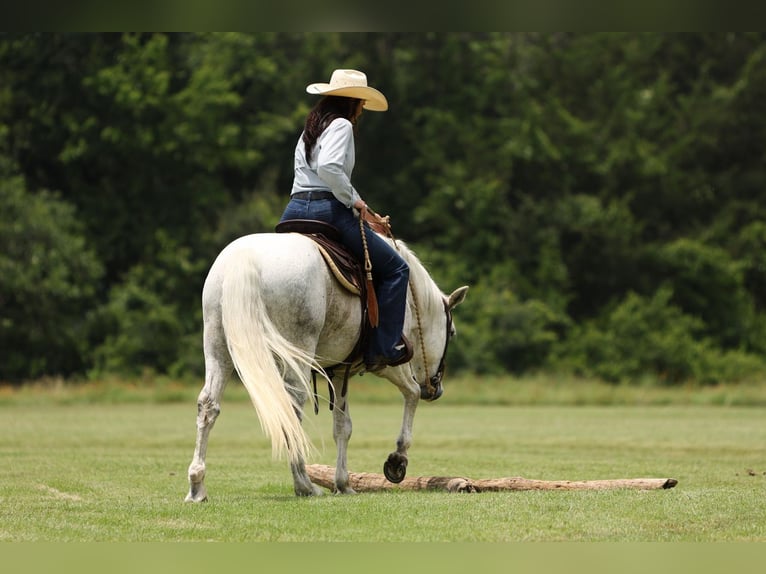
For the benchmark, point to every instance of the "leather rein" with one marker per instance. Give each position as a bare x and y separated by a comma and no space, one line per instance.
382,225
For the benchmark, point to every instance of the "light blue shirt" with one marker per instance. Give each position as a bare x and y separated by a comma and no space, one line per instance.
332,161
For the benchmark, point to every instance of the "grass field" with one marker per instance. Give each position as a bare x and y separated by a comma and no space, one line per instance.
75,469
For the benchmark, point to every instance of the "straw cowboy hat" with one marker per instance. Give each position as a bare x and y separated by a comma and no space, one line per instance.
352,84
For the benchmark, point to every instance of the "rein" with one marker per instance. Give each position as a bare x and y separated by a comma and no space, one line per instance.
433,382
372,302
383,226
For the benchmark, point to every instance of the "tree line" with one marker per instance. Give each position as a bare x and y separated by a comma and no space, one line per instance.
602,193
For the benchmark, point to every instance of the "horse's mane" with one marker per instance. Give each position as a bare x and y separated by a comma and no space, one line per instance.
428,293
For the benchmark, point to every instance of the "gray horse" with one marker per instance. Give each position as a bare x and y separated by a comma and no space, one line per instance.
274,312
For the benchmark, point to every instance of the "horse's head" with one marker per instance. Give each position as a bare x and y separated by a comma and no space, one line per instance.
434,333
429,328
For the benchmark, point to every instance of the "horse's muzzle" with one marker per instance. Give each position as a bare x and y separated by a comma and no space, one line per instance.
432,392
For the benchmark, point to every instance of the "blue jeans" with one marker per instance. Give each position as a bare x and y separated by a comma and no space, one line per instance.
390,272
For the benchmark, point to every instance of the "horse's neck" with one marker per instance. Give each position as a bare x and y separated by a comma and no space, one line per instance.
421,282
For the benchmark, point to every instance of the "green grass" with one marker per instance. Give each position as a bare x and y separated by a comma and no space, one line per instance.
459,390
115,471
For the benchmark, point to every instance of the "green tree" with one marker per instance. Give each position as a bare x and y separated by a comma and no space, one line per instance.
575,180
49,276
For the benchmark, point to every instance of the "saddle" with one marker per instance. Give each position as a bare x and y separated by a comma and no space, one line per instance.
344,266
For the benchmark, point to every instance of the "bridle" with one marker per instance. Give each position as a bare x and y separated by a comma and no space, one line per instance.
383,226
432,383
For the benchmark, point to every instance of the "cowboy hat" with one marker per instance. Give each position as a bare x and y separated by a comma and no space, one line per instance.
352,84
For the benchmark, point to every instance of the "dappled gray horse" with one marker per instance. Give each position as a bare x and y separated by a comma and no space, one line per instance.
274,312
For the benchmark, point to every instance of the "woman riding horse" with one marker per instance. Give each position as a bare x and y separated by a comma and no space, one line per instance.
273,312
322,190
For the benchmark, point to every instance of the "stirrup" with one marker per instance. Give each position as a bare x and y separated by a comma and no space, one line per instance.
382,362
407,357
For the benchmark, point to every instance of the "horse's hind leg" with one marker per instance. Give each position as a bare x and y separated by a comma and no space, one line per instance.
218,369
341,432
301,481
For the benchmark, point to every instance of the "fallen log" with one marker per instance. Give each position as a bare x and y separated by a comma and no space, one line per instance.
324,476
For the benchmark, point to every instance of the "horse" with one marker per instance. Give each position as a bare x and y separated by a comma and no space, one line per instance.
273,312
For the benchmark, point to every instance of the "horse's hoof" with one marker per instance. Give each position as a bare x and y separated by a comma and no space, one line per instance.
317,491
342,491
310,490
198,494
395,468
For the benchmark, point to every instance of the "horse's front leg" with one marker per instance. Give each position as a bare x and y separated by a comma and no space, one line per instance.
341,432
395,467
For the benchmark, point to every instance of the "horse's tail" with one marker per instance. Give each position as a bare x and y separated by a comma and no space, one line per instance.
264,359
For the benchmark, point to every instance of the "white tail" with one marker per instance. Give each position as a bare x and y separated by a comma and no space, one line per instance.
253,343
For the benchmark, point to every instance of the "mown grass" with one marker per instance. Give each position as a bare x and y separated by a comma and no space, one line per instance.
460,390
79,468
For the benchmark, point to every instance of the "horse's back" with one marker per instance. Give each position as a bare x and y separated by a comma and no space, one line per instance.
275,258
301,297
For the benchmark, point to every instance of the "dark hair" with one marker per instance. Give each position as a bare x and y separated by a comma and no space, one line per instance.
325,111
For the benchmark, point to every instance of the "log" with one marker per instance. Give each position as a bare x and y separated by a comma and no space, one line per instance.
324,476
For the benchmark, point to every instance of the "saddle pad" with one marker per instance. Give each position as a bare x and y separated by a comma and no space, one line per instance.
346,282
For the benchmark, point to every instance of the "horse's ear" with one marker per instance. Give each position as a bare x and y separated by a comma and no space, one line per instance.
457,297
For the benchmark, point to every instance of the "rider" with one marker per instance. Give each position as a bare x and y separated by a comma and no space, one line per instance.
322,190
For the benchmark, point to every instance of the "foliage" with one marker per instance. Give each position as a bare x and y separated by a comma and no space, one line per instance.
48,278
650,335
707,283
600,192
141,325
500,333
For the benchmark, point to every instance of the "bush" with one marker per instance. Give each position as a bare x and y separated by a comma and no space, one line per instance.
143,331
48,279
142,326
708,282
649,336
730,367
499,333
